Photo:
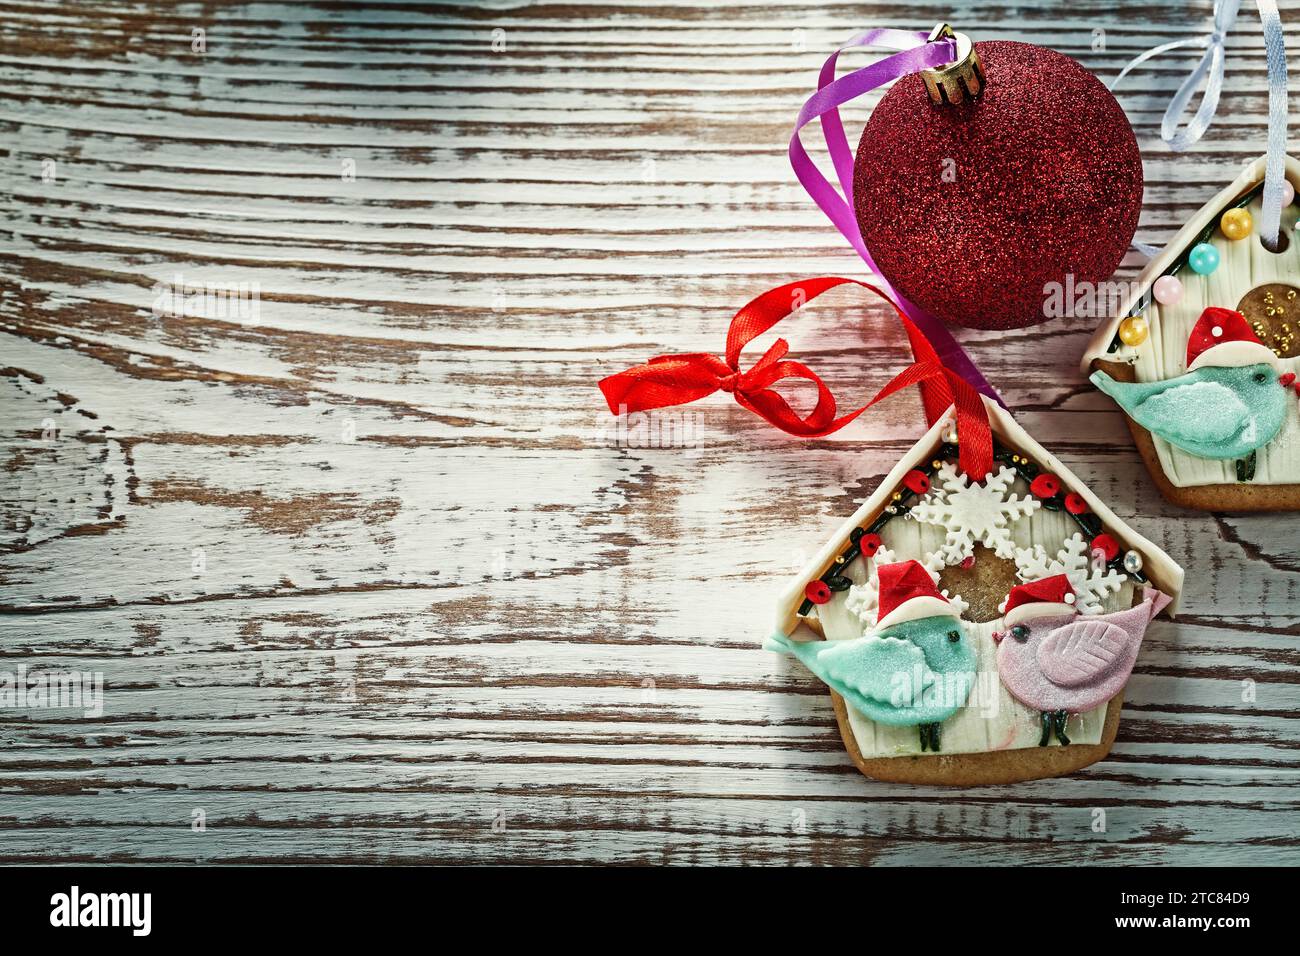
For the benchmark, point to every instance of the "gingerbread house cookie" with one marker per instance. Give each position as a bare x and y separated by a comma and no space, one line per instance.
976,632
1202,355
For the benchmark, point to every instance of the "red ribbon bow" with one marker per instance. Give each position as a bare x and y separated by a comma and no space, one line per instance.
678,379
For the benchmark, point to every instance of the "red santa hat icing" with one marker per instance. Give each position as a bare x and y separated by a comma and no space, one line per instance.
907,593
1222,337
1052,596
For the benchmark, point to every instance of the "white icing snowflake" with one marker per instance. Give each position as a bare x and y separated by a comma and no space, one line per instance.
1091,582
863,599
974,513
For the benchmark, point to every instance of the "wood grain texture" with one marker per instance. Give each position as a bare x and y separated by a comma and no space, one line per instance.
369,576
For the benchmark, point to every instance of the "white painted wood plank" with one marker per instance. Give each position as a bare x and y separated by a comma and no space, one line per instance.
434,586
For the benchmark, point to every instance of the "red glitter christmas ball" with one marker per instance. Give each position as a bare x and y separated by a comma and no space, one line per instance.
973,209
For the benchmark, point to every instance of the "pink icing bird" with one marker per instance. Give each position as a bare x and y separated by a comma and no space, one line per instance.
1052,659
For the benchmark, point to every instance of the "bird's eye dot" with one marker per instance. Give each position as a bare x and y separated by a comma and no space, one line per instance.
1261,377
954,636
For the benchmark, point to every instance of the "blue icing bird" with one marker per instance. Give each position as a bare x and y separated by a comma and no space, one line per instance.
1231,402
916,673
1212,412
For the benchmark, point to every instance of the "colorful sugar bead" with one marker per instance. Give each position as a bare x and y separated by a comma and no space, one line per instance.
869,544
1236,223
1203,258
1133,330
1107,545
818,592
1045,486
1168,290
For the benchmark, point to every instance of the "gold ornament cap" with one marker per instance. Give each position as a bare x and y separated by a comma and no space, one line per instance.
961,79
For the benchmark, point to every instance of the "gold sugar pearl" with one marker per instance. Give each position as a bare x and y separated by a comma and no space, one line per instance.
1133,330
1236,224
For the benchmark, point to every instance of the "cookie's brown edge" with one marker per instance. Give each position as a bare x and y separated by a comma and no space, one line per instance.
1222,497
980,769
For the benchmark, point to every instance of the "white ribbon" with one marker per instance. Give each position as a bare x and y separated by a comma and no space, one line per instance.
1212,65
1275,165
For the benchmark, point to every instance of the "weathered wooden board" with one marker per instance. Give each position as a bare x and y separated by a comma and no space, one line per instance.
369,575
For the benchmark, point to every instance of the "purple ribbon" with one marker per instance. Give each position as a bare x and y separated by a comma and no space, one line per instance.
917,54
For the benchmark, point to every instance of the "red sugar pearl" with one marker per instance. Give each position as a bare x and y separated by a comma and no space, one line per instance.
1107,545
1075,504
917,481
869,544
817,591
1045,486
